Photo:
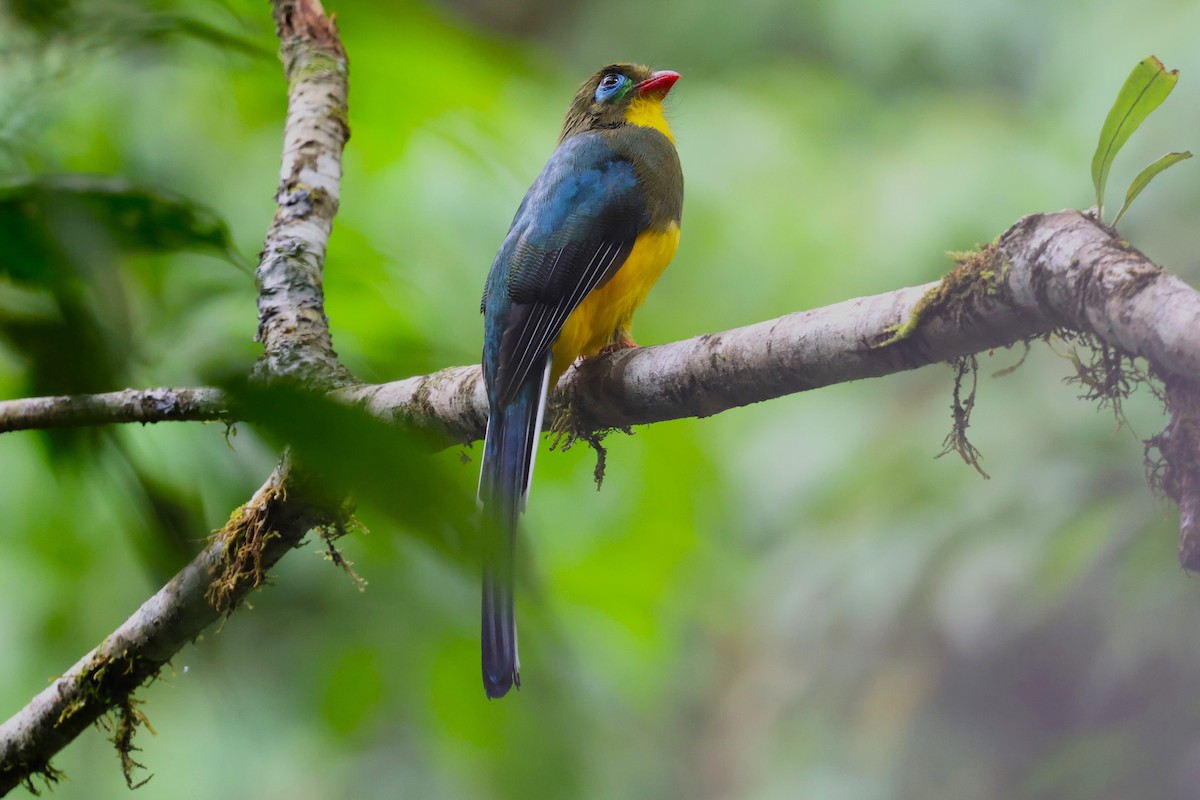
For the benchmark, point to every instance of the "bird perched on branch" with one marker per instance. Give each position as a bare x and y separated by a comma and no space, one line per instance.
593,234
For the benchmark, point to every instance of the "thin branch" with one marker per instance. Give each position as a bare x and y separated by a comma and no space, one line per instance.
130,405
291,302
297,347
1048,271
136,651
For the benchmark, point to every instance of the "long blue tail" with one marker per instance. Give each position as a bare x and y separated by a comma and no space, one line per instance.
508,454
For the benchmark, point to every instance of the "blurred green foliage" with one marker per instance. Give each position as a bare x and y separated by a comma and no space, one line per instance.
789,600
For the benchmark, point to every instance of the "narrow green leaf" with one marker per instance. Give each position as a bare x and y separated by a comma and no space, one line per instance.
41,214
1144,90
1148,174
62,238
389,468
159,25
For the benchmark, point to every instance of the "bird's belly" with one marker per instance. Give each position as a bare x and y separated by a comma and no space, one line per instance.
609,308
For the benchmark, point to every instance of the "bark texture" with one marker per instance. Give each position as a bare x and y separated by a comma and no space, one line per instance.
135,652
292,325
1047,272
1178,471
298,348
130,405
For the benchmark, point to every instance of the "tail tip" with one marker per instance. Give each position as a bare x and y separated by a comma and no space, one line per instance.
497,684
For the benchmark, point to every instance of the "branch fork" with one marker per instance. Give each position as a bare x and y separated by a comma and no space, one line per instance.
1048,272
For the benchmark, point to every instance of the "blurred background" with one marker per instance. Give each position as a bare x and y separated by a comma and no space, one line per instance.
791,600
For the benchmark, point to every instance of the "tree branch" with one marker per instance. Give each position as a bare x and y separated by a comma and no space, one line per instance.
1063,271
291,302
1047,272
177,614
130,405
1178,472
297,347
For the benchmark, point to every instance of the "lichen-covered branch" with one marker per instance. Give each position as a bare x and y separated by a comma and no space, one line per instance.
1047,272
129,405
1062,271
1178,471
291,302
172,618
450,404
297,348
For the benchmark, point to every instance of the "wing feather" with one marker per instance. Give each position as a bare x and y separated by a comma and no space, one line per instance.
573,231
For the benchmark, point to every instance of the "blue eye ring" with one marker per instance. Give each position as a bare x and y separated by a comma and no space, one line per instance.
611,85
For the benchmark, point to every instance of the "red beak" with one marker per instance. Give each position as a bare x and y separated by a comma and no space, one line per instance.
658,84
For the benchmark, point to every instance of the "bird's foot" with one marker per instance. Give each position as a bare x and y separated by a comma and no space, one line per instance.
624,343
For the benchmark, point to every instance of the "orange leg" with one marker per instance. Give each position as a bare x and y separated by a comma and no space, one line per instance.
622,340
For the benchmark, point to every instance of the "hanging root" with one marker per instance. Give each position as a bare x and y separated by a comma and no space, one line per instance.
331,533
126,718
1173,463
1108,376
49,774
564,440
956,441
565,432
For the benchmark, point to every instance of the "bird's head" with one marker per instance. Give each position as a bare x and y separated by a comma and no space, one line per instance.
617,95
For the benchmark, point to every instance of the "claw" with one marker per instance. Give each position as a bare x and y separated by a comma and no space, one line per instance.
624,343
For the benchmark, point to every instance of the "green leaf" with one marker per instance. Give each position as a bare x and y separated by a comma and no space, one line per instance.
1144,90
43,214
391,469
63,239
1148,174
138,217
160,25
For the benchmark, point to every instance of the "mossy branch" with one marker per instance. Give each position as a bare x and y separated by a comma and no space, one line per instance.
297,348
234,563
1049,272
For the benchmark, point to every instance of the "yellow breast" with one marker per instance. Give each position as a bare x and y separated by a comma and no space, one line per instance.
606,314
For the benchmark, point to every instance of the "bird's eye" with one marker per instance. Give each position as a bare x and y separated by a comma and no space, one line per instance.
610,86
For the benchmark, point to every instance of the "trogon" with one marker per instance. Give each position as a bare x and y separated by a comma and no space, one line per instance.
593,234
